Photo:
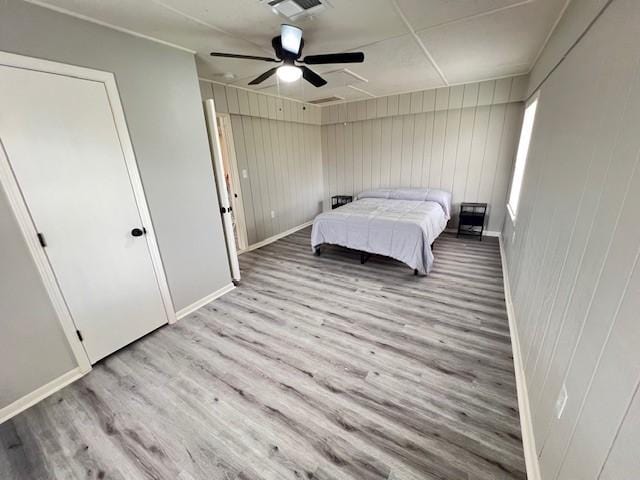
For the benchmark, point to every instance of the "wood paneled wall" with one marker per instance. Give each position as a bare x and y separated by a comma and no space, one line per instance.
573,256
277,144
283,162
461,139
246,102
490,92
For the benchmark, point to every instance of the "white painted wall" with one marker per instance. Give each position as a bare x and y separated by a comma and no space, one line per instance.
573,263
159,91
27,319
277,142
461,139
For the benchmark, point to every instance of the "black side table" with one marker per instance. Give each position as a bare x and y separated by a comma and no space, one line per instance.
339,200
471,221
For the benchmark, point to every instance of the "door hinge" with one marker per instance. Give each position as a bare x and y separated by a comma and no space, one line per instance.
79,335
41,239
225,210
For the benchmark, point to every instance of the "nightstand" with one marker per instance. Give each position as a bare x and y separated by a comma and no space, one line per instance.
339,200
471,221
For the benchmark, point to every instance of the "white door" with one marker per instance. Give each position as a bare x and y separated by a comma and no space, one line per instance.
60,137
221,184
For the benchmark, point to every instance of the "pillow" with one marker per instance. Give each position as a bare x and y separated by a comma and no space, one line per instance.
441,197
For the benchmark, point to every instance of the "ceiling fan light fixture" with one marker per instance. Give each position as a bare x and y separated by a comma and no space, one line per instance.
290,37
289,73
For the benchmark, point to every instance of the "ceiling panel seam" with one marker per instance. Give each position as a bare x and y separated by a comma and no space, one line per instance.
475,15
208,25
419,41
548,37
361,90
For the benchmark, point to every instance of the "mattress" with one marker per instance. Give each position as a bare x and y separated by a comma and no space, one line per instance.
386,224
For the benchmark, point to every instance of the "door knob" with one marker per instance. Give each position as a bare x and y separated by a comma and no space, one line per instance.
137,232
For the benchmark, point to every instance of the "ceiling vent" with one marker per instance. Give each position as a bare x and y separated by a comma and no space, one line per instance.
297,9
320,101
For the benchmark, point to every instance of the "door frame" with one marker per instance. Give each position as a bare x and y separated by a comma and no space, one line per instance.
21,211
238,203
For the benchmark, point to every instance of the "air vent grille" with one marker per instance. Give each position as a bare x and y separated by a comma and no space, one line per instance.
297,9
326,100
307,4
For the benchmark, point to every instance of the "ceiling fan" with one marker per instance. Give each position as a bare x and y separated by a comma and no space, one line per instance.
288,50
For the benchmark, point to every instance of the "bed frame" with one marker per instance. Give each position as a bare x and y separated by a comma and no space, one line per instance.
365,256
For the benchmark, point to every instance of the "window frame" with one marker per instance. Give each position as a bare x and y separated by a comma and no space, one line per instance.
520,164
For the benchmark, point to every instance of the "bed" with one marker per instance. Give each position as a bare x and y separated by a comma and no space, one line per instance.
397,223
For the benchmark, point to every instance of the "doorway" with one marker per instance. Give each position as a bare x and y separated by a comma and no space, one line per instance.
67,163
232,180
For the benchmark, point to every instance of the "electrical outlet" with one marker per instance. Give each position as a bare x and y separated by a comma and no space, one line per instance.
244,173
561,402
273,214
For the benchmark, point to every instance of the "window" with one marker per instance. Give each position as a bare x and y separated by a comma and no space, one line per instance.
521,157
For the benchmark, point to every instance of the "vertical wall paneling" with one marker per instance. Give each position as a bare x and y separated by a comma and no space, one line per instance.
358,171
243,102
407,150
417,150
427,150
205,90
371,109
456,138
622,459
220,98
437,148
381,107
416,102
245,182
573,252
282,160
429,101
395,161
284,172
232,100
367,160
392,105
376,152
404,104
455,145
348,155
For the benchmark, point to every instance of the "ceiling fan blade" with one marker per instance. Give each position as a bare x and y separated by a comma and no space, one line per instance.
263,77
350,57
312,77
244,57
290,38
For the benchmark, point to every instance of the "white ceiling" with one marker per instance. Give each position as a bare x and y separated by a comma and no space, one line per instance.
408,44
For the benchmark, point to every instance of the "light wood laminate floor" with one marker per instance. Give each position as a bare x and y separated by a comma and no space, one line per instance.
314,368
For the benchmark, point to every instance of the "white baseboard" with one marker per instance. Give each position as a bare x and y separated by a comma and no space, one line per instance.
486,233
39,394
526,425
269,240
183,312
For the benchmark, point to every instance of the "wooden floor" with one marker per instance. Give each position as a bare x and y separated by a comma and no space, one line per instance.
314,368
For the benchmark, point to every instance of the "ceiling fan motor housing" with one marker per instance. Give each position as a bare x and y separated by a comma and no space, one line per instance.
285,55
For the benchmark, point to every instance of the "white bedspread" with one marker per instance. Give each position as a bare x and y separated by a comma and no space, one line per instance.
401,229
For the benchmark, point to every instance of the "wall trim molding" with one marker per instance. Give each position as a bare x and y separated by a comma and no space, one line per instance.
40,394
526,423
272,239
183,312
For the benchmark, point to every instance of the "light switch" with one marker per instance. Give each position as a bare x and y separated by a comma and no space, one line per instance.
244,173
